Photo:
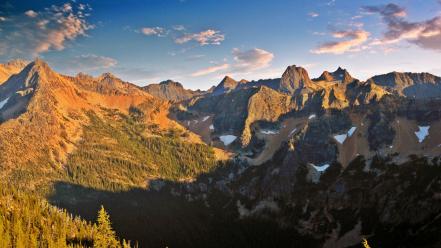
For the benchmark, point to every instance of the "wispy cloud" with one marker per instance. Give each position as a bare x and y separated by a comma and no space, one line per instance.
42,31
243,62
88,63
353,39
207,37
157,31
210,69
331,3
179,27
426,34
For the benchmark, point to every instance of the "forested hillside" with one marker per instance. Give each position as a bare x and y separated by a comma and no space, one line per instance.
27,221
120,151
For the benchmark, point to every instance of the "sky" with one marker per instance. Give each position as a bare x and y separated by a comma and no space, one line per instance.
198,42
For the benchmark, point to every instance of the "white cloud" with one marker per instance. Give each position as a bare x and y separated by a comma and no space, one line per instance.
2,18
179,27
207,37
210,69
313,14
252,59
48,29
157,31
354,39
31,13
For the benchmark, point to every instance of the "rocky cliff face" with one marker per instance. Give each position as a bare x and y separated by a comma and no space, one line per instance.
293,92
295,80
416,85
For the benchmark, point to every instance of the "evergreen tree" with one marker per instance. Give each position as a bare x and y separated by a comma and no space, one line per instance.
105,237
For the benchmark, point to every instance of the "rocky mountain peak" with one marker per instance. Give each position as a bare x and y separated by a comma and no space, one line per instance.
109,78
171,90
294,78
171,83
340,74
227,84
37,69
326,76
417,85
107,75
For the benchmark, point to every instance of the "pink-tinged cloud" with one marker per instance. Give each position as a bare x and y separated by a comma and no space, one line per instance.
45,30
352,41
207,37
426,34
210,69
252,59
157,31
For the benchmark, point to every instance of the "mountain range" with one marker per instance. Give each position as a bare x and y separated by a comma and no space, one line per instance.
323,162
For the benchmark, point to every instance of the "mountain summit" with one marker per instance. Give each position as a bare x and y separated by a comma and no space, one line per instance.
340,74
171,90
294,79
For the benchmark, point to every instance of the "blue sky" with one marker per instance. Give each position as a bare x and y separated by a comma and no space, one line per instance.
197,42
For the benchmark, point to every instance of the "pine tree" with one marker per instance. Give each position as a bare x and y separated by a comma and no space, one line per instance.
105,237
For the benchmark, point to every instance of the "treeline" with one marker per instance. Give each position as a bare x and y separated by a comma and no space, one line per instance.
118,152
27,221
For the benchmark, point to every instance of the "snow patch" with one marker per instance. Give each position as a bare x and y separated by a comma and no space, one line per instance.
312,116
293,131
422,133
211,127
227,139
269,132
205,118
340,138
321,168
351,131
3,103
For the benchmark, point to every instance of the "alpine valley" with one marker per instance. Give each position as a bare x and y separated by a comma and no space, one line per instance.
284,162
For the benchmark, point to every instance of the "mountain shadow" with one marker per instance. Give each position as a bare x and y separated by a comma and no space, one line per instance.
161,219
